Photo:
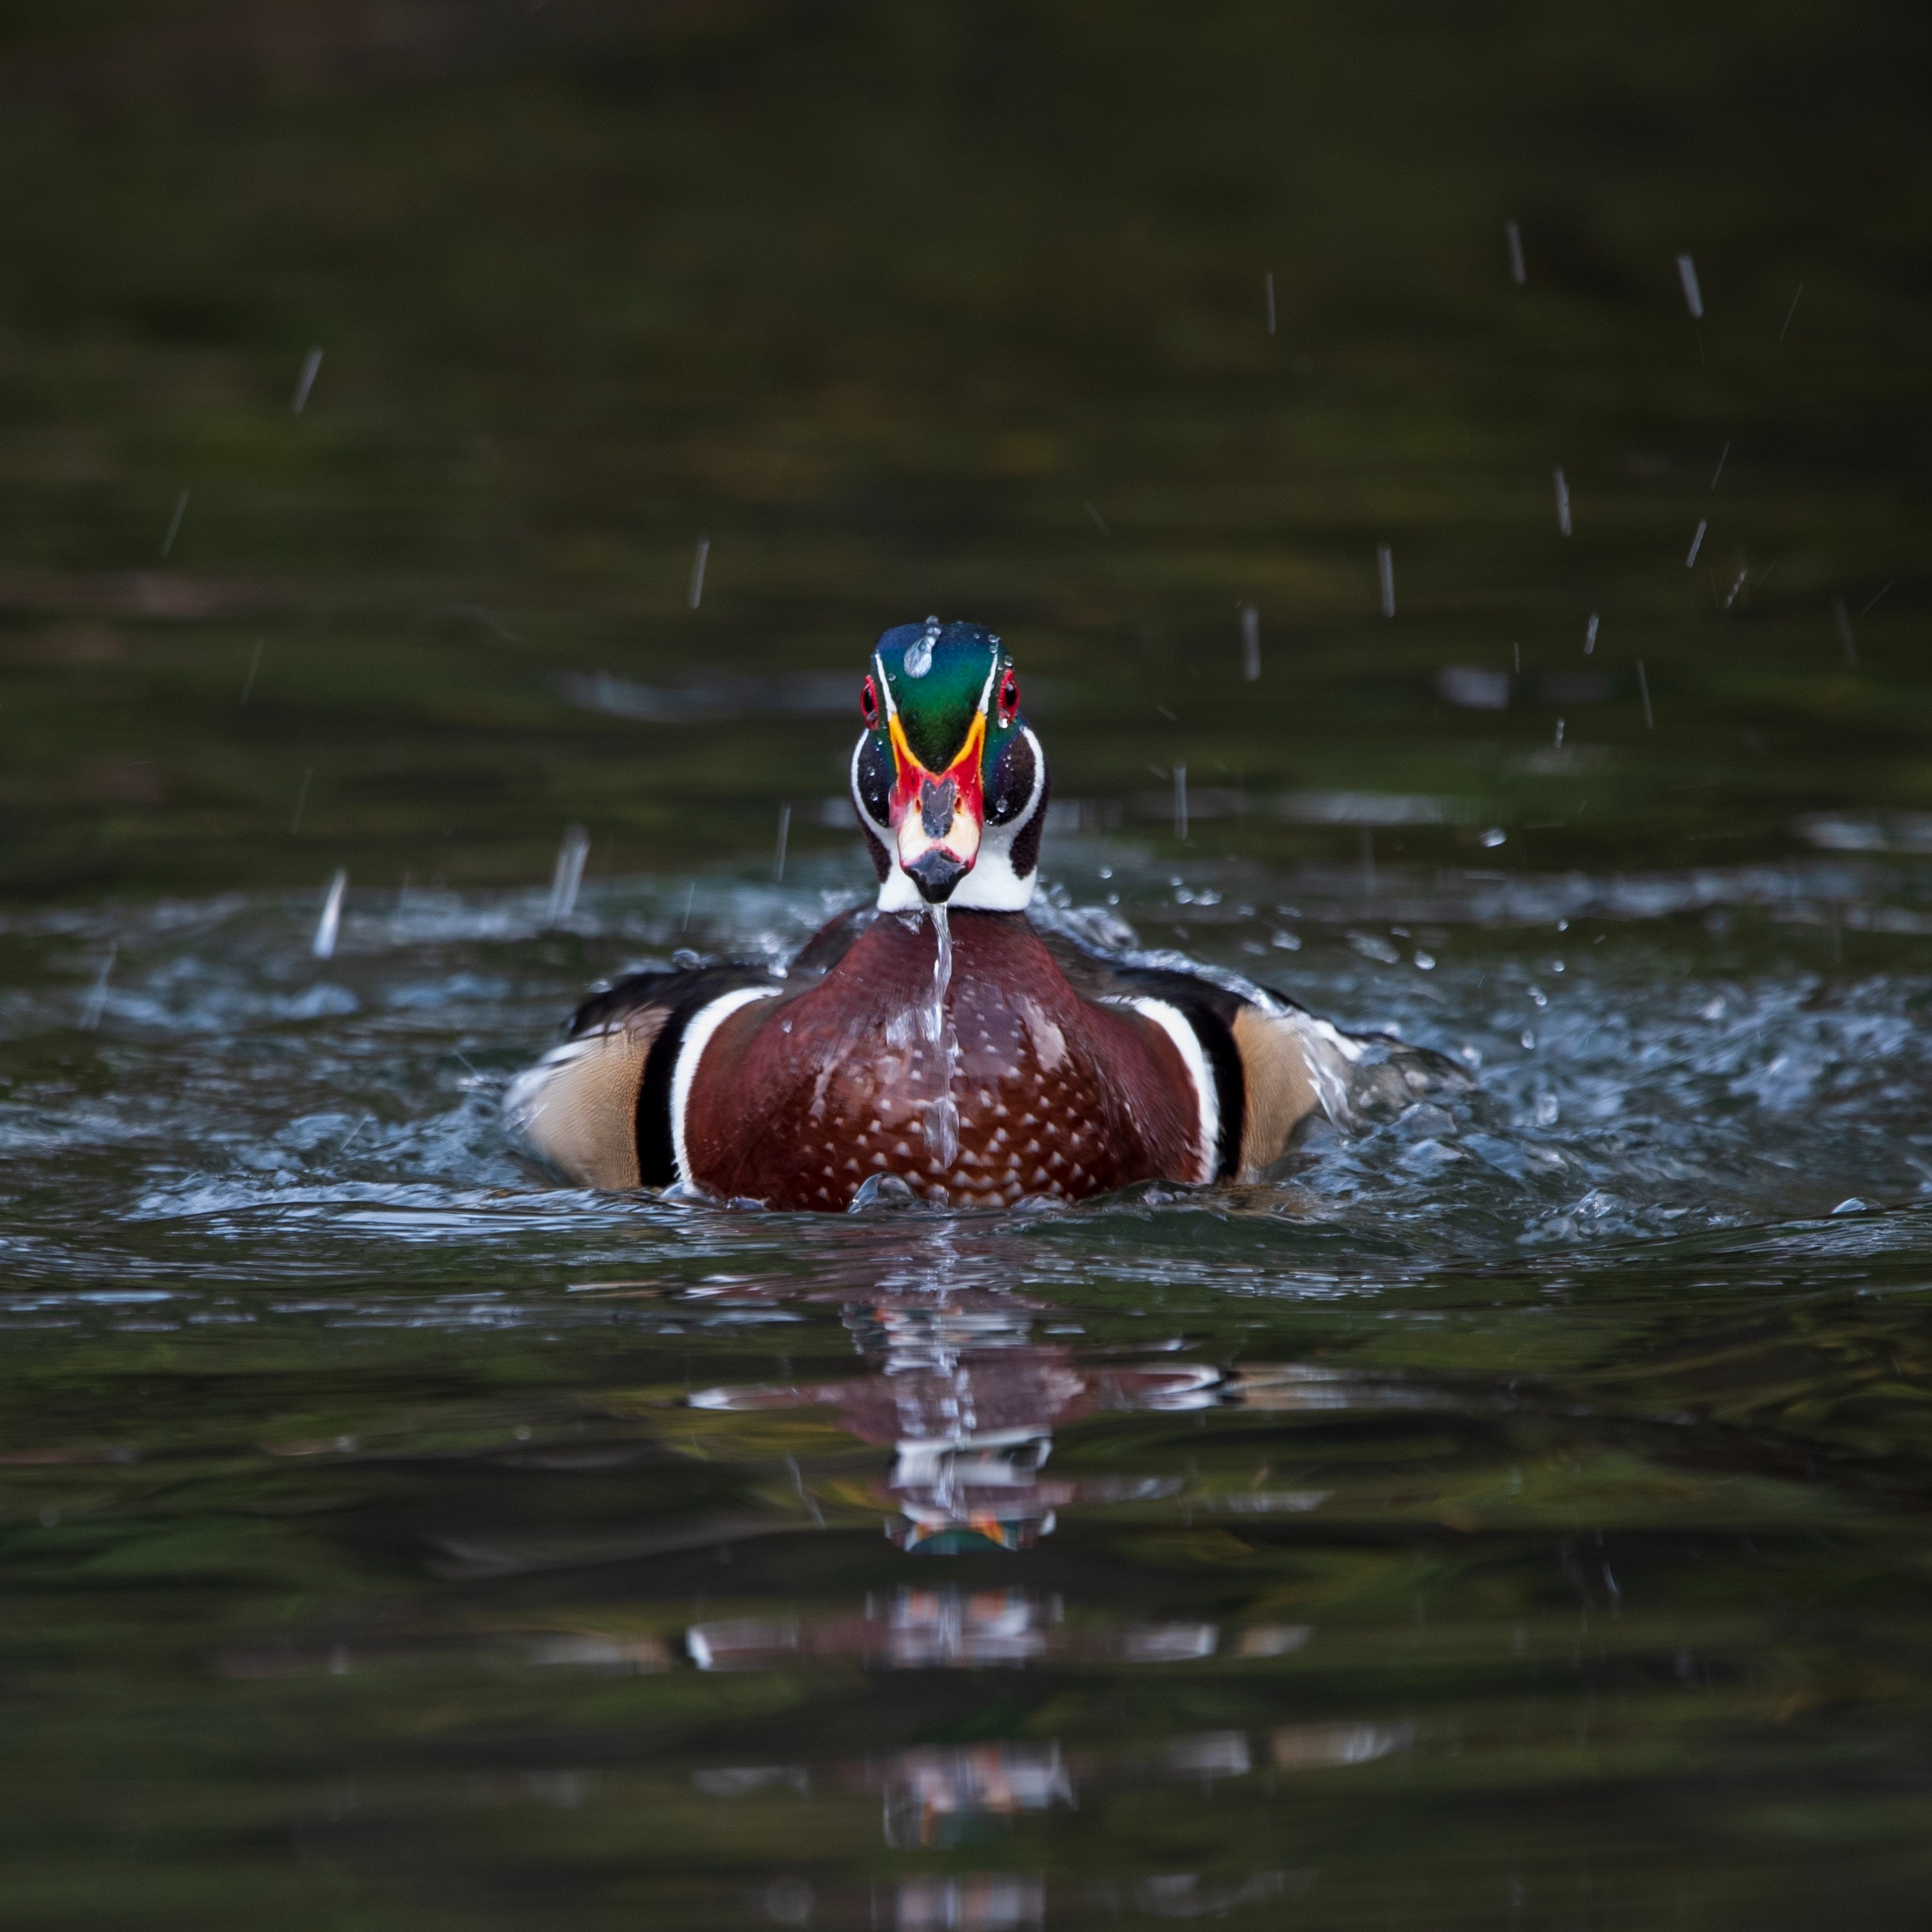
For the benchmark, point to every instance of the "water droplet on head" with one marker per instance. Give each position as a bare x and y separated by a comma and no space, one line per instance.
919,653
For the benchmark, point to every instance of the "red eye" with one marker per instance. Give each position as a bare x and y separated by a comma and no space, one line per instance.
1009,697
868,704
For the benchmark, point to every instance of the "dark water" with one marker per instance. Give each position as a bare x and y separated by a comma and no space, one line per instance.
1514,1517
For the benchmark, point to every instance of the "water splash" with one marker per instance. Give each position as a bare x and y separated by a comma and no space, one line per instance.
323,947
942,1129
942,972
1681,1080
942,1114
567,878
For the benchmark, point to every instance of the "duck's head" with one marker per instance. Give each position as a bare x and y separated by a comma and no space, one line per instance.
949,782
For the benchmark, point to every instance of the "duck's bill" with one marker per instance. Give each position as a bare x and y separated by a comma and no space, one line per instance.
937,845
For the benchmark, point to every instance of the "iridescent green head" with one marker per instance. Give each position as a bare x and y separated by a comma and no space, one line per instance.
949,783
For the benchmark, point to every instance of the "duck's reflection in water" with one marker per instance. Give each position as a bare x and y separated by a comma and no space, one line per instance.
1008,1902
941,1798
913,1630
942,1629
966,1394
981,1902
968,1401
955,1799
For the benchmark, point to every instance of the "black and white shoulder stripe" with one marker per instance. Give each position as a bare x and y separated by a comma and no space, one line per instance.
607,1106
1189,1012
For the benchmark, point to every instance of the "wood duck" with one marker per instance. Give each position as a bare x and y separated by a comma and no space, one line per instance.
941,1043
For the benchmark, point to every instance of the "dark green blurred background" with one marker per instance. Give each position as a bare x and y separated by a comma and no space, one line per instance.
880,299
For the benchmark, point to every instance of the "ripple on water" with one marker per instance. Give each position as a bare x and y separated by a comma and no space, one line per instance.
1620,1088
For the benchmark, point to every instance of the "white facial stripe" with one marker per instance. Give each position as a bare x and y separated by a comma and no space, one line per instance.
885,832
986,693
1175,1024
1039,781
702,1023
885,686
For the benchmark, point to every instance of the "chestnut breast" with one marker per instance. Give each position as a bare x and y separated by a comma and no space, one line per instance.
1023,1088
